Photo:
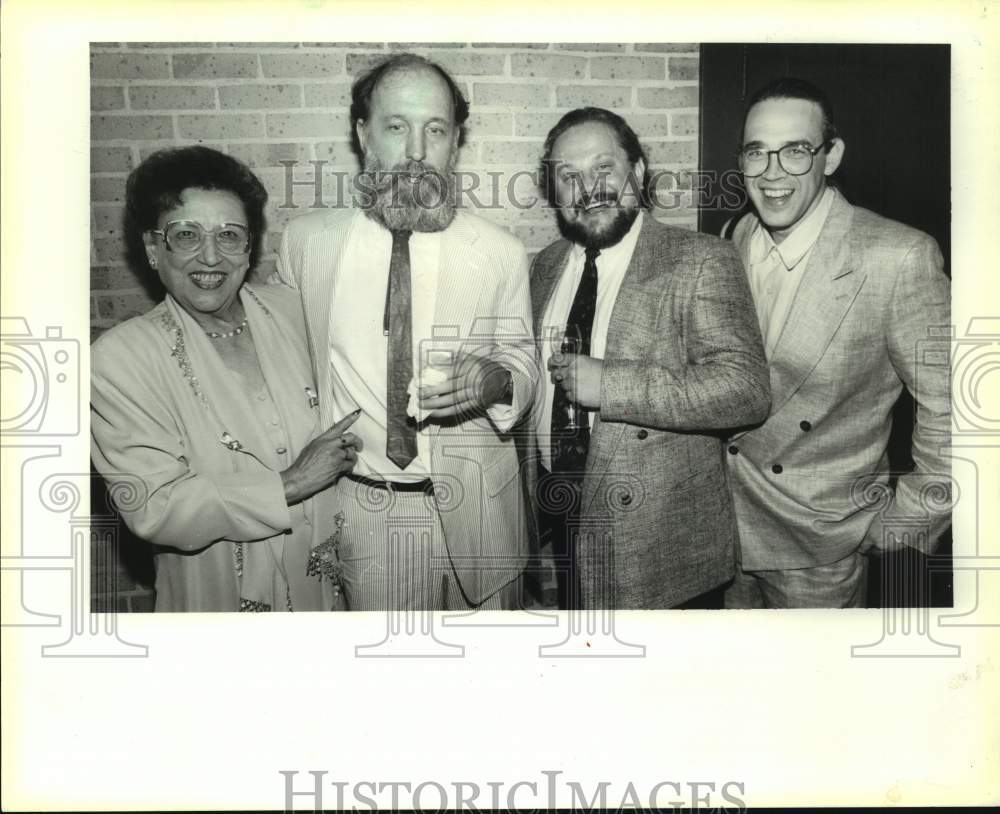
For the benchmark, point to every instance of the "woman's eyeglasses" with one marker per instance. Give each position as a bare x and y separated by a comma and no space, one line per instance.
188,236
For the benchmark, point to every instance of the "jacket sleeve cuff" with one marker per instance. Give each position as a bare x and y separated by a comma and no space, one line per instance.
260,495
618,391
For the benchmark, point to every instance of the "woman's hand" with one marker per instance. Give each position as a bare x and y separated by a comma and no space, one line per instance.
324,459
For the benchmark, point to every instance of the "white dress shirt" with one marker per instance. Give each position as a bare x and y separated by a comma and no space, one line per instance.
612,263
776,269
358,347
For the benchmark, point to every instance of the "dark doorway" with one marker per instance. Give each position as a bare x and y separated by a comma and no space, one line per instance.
892,107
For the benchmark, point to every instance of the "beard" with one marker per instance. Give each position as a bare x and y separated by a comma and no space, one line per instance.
412,196
601,237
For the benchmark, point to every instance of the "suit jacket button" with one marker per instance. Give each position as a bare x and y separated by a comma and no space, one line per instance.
805,426
626,499
733,449
642,435
777,469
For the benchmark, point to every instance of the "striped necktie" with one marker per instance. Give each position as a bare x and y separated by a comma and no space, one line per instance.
401,430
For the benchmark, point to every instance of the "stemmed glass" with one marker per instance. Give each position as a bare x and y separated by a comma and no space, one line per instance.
564,340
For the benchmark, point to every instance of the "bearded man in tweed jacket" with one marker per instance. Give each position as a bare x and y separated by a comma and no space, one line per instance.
633,495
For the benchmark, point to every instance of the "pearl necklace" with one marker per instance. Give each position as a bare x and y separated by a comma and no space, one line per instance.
234,332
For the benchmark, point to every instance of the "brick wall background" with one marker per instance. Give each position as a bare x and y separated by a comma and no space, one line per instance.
269,102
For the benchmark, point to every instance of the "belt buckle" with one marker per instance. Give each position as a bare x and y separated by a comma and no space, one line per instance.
407,487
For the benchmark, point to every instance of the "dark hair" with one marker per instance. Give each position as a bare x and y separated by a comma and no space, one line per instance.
155,187
627,139
789,87
364,88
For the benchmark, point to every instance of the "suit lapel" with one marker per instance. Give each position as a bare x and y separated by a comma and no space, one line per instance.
828,287
217,389
460,266
545,274
223,398
321,267
641,267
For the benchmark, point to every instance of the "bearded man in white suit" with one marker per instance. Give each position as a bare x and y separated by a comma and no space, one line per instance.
419,315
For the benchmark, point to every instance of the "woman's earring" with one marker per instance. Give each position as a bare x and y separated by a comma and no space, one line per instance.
152,262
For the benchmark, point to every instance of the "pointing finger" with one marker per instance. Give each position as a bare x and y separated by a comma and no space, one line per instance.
344,423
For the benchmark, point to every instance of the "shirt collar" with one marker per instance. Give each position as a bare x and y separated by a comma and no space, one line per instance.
793,248
622,249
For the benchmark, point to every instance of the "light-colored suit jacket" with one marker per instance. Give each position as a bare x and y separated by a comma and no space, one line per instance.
163,404
871,315
683,364
482,301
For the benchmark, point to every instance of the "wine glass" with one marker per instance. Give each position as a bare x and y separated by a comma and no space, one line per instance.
565,340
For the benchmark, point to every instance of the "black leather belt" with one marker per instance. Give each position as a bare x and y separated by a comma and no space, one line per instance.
426,485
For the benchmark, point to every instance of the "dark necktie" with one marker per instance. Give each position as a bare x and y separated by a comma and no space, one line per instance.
569,446
401,435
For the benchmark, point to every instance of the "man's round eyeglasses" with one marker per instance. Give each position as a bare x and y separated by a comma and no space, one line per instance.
795,159
189,236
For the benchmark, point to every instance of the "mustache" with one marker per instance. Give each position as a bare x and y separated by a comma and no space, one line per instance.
412,170
590,234
599,198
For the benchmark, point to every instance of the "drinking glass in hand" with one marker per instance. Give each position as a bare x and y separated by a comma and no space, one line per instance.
565,341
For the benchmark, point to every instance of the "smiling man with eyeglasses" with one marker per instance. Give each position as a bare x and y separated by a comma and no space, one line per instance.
845,300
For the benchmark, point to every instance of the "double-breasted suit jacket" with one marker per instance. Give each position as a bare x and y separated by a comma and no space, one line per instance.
683,364
870,315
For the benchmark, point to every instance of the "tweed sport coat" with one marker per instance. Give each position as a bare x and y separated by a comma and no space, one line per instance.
870,315
684,363
482,298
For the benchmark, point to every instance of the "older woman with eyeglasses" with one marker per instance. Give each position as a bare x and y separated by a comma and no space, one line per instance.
205,408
